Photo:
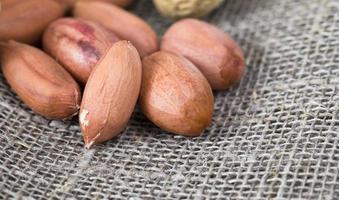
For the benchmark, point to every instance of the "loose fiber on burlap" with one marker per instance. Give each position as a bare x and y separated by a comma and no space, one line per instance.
275,135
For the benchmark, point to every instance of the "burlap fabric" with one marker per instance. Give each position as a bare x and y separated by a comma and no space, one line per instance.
274,135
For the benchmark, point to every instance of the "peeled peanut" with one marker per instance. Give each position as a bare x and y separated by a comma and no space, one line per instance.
25,20
77,44
39,81
214,52
124,24
175,95
110,94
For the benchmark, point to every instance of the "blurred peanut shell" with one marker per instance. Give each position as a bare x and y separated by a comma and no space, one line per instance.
214,52
124,24
25,20
39,81
177,9
77,44
175,95
110,94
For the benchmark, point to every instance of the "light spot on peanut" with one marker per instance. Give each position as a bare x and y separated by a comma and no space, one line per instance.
82,118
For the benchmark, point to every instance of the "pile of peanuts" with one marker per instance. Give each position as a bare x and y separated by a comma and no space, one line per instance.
102,60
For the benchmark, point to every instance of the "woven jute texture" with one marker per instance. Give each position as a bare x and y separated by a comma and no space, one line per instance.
275,135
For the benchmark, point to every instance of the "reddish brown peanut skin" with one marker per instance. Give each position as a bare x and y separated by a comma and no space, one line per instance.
25,21
214,52
77,44
6,4
121,3
124,24
110,94
175,95
39,81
